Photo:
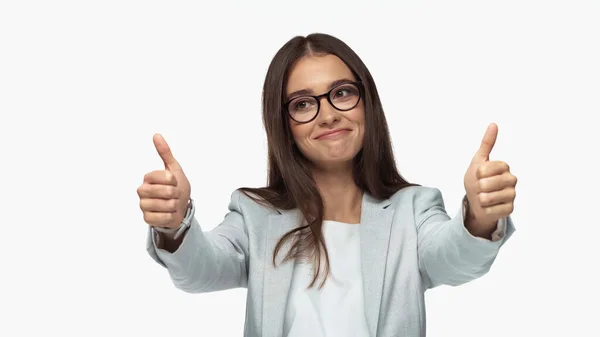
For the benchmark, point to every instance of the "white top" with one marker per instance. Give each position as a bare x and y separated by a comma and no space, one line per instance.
338,308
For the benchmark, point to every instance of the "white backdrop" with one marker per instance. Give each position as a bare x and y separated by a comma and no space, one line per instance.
84,85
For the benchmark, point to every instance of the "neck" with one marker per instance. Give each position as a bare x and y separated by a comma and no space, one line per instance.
341,197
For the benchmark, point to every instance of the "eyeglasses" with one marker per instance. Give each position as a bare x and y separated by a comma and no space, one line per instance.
344,97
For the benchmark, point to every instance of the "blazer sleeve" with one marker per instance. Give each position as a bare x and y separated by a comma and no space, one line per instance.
208,261
448,253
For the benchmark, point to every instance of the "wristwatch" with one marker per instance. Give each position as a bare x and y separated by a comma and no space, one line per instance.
185,223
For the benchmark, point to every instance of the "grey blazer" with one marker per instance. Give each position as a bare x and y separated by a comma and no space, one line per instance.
408,245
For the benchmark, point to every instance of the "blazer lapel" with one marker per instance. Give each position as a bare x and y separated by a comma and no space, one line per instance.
376,220
277,280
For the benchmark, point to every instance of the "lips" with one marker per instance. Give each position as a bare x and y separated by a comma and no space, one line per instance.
332,133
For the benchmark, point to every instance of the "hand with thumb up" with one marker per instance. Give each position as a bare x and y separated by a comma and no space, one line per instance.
164,194
490,188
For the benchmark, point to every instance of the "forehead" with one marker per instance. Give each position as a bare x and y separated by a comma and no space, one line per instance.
315,73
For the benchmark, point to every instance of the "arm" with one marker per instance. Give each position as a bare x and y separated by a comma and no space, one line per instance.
448,253
207,261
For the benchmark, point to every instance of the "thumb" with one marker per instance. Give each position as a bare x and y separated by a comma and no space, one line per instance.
164,151
487,143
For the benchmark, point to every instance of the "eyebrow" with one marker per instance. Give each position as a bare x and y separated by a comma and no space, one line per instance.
310,92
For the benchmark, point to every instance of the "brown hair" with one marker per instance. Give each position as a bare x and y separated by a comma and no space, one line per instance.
290,183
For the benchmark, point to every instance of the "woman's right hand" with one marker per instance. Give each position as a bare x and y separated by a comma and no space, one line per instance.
164,194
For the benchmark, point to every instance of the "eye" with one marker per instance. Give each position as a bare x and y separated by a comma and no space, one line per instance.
341,93
302,104
346,91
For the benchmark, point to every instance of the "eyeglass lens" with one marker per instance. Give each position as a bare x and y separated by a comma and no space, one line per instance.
343,97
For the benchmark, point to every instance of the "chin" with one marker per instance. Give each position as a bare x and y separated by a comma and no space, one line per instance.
329,161
332,156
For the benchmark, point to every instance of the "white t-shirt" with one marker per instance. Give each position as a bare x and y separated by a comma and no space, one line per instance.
337,309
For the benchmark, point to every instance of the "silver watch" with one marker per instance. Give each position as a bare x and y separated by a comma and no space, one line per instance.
185,223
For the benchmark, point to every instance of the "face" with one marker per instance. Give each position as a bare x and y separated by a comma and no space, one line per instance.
333,137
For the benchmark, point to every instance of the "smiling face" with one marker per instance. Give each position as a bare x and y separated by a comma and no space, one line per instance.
333,137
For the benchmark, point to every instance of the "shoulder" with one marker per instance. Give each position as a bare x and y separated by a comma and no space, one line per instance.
417,196
249,204
418,203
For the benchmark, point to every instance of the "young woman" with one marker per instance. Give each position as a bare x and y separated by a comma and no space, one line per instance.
337,243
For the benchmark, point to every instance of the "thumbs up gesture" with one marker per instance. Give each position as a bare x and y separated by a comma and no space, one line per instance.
490,188
164,194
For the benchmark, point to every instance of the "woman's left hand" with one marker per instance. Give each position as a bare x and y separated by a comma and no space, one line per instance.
490,188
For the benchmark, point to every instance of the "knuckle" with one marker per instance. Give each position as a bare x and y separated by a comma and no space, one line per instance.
483,199
143,190
172,205
486,169
483,185
171,192
481,171
148,176
156,219
156,191
148,218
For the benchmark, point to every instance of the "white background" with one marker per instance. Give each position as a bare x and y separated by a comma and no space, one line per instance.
84,85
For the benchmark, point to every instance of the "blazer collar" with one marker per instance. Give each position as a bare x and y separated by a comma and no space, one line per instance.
375,226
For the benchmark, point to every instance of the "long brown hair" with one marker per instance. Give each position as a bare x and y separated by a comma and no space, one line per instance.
290,182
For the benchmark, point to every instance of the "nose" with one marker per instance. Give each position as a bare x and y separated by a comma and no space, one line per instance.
328,114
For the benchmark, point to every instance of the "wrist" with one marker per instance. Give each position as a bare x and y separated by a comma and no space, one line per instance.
473,225
177,232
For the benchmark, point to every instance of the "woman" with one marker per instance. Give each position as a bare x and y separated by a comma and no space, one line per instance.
337,243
